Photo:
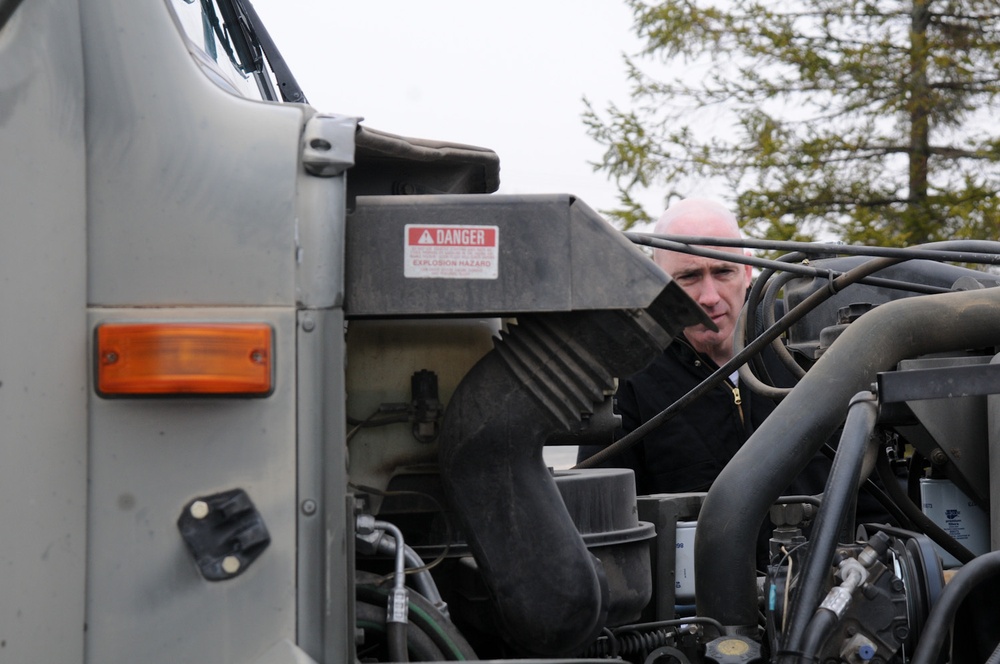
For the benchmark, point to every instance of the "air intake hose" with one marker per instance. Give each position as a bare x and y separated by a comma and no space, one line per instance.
543,375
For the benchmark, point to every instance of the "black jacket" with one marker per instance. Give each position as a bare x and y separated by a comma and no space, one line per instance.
688,452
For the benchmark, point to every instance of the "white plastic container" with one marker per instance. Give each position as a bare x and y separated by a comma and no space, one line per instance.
684,562
957,515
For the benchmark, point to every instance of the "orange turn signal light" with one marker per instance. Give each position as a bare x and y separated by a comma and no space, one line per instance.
138,359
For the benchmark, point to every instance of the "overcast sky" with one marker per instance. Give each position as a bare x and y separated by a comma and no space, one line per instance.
508,75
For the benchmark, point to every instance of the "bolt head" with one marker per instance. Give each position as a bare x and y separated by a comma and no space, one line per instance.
199,509
230,564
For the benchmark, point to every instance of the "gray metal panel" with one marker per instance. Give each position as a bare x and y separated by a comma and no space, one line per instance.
43,473
325,566
146,600
191,189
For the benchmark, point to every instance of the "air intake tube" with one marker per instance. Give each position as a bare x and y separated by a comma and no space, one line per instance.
543,375
788,439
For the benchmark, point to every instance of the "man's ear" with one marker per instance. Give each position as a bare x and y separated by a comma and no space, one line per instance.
749,268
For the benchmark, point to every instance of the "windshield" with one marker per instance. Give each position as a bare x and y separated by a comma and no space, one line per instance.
224,43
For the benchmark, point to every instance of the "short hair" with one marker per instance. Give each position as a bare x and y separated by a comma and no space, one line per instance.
699,208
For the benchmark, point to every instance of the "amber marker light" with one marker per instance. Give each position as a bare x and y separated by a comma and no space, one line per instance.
150,359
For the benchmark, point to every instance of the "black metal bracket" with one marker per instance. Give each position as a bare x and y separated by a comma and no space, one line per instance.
938,383
224,533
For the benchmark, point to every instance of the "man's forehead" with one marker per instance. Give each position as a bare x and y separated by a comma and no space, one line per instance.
673,262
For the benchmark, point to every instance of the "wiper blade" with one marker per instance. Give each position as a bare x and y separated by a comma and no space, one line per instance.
258,34
7,8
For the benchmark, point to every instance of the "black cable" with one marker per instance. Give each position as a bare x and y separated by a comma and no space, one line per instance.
813,300
986,252
841,487
722,373
935,631
437,506
748,375
916,516
780,350
674,622
884,499
753,326
802,270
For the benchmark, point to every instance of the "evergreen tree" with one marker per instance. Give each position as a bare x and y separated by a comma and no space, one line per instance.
871,120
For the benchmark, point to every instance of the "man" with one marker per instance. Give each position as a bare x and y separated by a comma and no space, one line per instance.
718,286
688,452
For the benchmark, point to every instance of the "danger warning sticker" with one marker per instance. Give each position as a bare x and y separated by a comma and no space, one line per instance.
451,252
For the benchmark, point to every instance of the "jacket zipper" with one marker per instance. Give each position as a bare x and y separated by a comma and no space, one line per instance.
737,398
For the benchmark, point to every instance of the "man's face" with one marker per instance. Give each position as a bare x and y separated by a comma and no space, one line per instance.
720,288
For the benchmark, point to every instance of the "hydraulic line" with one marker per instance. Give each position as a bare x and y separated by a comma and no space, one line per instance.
754,326
838,499
422,578
803,270
955,251
746,373
770,296
783,445
935,631
420,646
423,619
398,603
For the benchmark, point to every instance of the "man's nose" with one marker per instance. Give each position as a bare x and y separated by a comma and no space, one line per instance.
708,296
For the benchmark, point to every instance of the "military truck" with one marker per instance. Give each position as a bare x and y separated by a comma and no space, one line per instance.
278,387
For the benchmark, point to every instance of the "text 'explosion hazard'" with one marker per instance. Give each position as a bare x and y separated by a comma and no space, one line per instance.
451,252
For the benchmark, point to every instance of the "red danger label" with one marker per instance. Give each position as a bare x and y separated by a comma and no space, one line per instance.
452,236
451,252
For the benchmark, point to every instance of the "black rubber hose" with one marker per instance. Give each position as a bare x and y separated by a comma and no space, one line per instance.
395,637
820,628
788,439
754,326
780,350
417,644
838,497
747,374
877,493
935,631
424,617
920,520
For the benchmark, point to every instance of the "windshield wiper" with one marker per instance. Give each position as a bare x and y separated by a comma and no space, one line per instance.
257,33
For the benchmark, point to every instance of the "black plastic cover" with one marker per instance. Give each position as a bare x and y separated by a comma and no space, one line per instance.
554,253
387,164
